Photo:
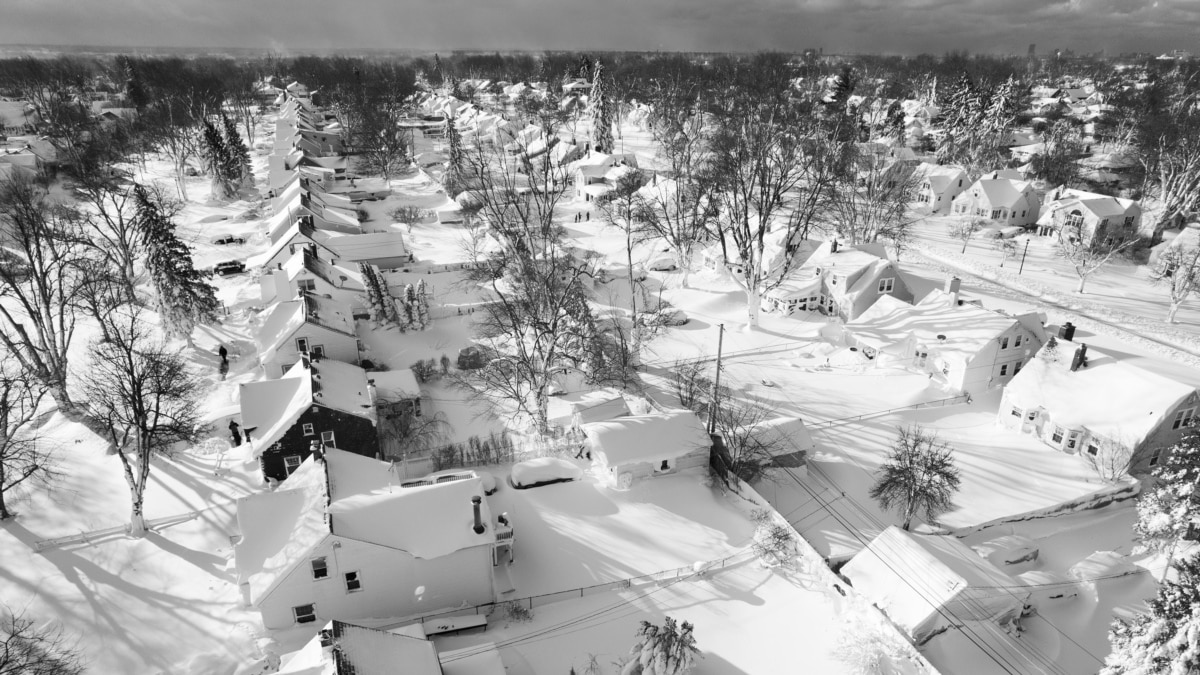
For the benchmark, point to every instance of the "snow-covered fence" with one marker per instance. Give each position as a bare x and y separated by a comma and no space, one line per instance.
668,576
952,400
1127,488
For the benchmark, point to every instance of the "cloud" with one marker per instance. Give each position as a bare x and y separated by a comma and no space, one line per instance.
903,26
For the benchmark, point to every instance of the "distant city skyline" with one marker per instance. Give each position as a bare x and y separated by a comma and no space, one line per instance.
841,26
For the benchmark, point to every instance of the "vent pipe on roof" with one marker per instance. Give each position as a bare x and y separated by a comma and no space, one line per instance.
1080,358
476,505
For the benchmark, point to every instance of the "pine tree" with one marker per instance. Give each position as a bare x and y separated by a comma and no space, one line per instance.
452,180
1006,103
216,155
422,304
374,298
237,155
184,296
1166,639
387,301
410,318
669,649
602,136
1171,507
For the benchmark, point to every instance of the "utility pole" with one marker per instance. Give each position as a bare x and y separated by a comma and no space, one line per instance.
1023,253
712,411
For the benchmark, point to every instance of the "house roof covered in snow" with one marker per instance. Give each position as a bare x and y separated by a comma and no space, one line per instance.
1001,192
939,176
967,328
285,318
334,275
922,581
363,651
396,385
366,247
1109,397
343,387
271,407
647,438
445,524
298,232
279,528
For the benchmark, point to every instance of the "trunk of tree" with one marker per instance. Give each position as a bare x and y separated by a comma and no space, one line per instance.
1082,283
685,271
753,300
543,415
4,514
1173,311
964,248
58,392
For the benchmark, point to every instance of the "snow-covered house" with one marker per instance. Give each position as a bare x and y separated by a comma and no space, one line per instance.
385,250
963,345
316,404
628,448
928,584
842,281
306,273
343,539
936,186
343,648
307,326
1080,400
570,410
597,173
1088,215
294,234
1006,200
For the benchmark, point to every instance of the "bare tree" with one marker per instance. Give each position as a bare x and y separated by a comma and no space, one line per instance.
1088,253
919,476
680,213
141,395
407,431
691,385
1112,458
1178,268
872,203
751,444
965,229
39,284
23,462
27,648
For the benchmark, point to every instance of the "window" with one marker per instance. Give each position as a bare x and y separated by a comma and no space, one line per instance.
1093,449
1031,415
1022,214
327,439
1128,221
1072,440
320,568
1017,341
1016,367
665,466
1004,370
997,213
1057,436
309,285
302,345
308,430
886,285
1016,412
920,357
1156,457
291,463
1004,343
352,582
1075,220
318,351
305,613
1183,417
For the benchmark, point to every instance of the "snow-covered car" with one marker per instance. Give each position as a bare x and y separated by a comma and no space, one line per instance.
674,317
474,357
229,267
487,479
607,274
543,471
664,263
1008,550
227,239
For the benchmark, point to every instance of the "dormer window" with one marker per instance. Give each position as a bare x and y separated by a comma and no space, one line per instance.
886,285
309,285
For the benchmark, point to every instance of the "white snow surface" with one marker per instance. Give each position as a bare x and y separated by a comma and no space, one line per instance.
647,438
543,469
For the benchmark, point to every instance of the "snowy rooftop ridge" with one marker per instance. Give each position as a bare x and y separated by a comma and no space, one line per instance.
647,438
1108,397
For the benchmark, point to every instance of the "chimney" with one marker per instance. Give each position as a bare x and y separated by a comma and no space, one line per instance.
953,284
833,246
1080,358
476,501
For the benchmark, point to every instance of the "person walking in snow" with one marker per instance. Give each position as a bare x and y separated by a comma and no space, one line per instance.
224,354
235,433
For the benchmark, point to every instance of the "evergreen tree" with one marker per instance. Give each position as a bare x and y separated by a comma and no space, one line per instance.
386,299
669,649
217,158
184,297
452,180
601,107
237,155
410,317
374,297
1171,507
1166,639
1006,102
422,304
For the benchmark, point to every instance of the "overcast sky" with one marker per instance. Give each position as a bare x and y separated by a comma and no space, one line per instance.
889,26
